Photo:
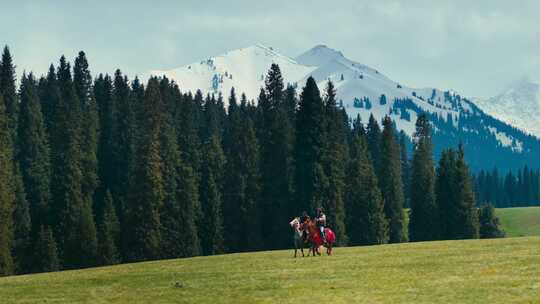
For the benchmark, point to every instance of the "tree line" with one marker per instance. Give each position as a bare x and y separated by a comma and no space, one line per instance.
513,189
104,170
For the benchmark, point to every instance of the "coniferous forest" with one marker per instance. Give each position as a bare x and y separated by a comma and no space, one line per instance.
101,169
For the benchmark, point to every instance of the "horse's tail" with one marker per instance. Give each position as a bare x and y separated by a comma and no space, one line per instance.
330,235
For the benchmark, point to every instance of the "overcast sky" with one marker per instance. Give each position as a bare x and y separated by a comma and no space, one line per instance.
474,47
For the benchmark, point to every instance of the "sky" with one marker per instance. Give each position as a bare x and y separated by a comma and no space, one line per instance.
474,47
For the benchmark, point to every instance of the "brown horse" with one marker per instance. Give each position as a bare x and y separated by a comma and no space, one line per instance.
315,239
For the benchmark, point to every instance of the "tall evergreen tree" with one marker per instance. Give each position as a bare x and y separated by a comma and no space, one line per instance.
211,190
177,215
405,167
424,214
374,142
7,193
108,233
467,216
34,160
310,179
390,182
141,234
45,252
276,136
74,221
366,221
334,159
445,194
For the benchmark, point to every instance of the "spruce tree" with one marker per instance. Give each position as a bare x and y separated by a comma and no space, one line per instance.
366,221
334,159
242,180
82,81
141,232
108,233
446,195
373,132
424,214
45,251
275,132
178,213
7,193
211,189
467,215
73,218
405,167
390,182
310,179
490,226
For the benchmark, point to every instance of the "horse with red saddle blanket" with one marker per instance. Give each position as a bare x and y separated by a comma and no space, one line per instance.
316,240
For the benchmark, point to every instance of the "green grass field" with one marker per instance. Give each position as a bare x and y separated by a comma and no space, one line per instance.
520,221
474,271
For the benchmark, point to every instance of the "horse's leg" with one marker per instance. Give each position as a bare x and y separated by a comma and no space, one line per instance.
302,249
295,249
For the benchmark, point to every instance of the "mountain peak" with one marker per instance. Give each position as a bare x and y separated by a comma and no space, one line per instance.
319,55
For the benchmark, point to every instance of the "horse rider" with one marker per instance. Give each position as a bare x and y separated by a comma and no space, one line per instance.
320,219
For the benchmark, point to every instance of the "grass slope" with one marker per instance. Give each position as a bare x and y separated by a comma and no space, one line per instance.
520,221
474,271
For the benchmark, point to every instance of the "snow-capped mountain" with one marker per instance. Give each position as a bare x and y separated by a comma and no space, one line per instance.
363,90
518,105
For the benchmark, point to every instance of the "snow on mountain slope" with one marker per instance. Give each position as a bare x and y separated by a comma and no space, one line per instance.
360,90
518,105
244,69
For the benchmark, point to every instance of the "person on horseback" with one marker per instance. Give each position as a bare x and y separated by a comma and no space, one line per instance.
320,219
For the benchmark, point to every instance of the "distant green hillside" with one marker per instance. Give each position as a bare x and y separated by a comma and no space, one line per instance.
520,221
473,271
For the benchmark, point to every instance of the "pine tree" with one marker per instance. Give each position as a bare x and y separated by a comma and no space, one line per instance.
309,178
424,214
82,81
8,92
242,180
108,233
34,154
467,216
445,194
366,221
276,136
390,182
141,234
178,213
334,159
45,252
211,190
73,218
7,193
374,142
405,167
490,226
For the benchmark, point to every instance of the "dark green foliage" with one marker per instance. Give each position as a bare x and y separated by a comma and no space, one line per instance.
7,194
275,132
423,219
178,213
8,92
22,225
108,234
141,235
211,189
45,251
490,226
334,160
455,198
467,216
374,142
366,221
309,178
241,212
390,182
